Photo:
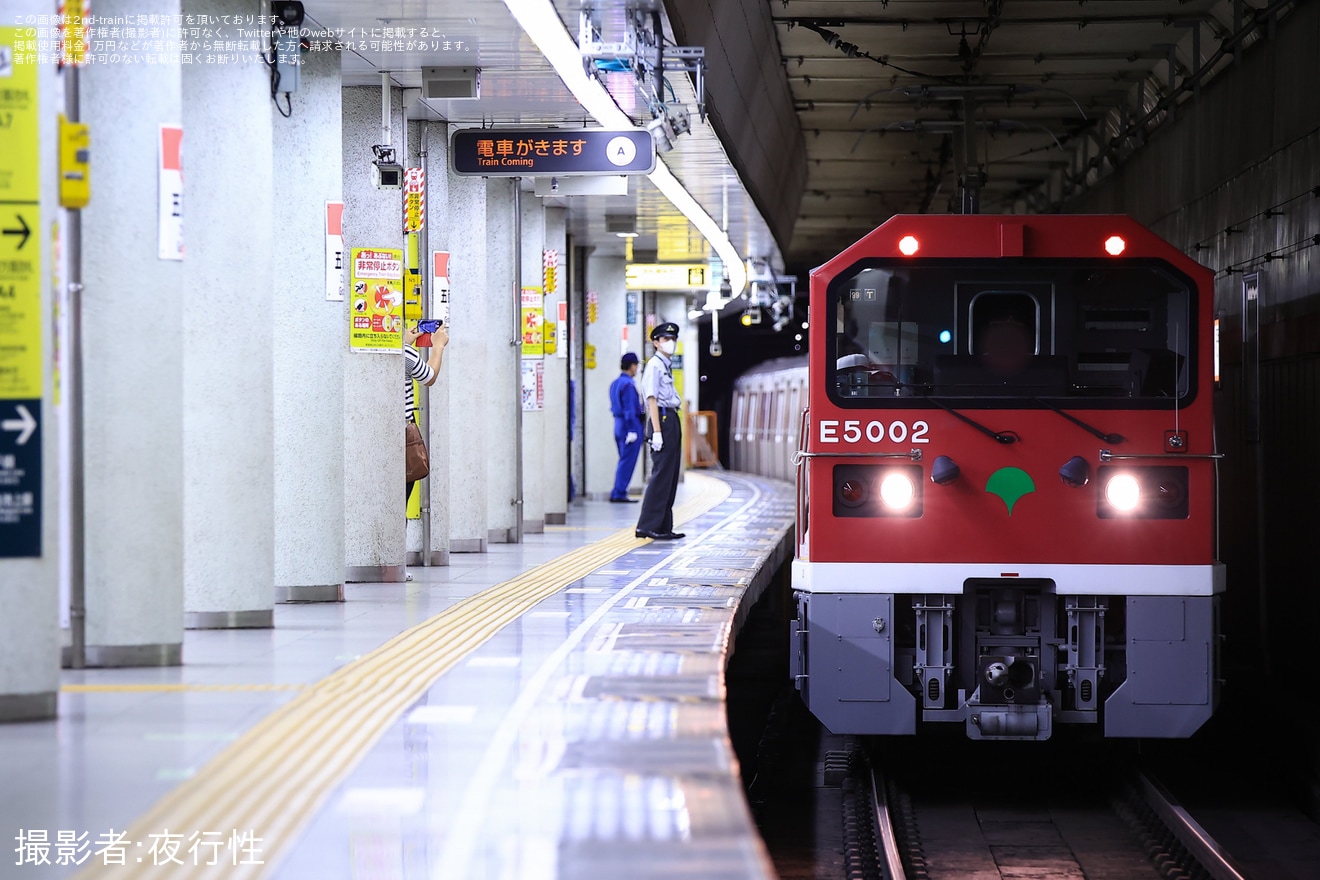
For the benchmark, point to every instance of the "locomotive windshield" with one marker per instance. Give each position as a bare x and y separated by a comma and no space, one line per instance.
1083,331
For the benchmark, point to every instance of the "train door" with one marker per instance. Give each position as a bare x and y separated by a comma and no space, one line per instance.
792,417
736,429
779,464
749,433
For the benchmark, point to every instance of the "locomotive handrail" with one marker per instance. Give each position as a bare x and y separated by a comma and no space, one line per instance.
800,514
1106,455
914,454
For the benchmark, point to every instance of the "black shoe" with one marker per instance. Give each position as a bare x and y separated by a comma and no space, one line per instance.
674,536
654,536
623,501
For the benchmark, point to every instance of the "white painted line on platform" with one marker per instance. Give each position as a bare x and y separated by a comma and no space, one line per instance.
376,802
442,715
495,662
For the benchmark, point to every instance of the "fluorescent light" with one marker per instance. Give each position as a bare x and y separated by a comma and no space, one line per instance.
542,24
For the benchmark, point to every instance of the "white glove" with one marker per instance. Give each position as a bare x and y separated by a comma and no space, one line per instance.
657,442
630,437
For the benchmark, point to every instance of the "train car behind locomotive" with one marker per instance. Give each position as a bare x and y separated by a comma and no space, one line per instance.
1007,482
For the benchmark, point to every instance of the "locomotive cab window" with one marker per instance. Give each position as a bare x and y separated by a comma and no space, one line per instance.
1091,333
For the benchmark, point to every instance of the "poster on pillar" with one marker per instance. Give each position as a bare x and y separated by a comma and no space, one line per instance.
561,331
533,323
334,251
533,385
170,236
440,285
375,313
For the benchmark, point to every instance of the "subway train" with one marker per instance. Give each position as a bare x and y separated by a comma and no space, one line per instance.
1003,444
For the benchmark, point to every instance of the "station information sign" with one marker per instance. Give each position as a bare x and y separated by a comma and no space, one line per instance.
494,152
666,276
22,359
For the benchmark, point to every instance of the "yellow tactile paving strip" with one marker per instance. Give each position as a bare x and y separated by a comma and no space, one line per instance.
273,778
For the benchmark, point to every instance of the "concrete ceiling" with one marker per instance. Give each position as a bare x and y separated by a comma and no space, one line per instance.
898,99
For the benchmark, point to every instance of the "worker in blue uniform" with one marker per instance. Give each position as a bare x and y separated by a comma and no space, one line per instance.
626,404
664,436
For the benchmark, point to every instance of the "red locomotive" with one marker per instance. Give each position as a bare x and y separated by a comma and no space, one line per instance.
1007,482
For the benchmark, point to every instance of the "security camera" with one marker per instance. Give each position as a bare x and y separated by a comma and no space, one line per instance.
287,14
679,120
388,176
389,173
666,127
662,133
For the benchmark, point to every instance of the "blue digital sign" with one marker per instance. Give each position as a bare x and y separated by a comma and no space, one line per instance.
493,152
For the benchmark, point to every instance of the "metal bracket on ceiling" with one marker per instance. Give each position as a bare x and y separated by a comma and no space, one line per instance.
640,50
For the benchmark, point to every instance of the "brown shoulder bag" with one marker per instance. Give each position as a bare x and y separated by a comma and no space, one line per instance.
417,464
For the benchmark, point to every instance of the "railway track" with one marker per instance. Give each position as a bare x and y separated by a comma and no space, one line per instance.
938,827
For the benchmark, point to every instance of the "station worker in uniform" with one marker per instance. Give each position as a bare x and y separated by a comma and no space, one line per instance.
664,436
629,417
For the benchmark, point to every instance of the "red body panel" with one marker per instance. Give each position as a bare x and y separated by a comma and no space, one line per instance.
1055,523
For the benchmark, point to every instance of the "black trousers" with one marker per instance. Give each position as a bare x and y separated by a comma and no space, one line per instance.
658,503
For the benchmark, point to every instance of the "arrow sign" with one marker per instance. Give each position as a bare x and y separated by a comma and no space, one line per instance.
24,424
24,231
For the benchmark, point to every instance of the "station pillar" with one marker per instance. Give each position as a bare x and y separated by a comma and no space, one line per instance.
29,445
534,420
500,386
604,337
553,452
373,388
133,368
465,368
432,152
310,320
228,316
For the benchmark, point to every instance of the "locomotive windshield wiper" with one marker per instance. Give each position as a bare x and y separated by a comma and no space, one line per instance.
1108,438
1001,436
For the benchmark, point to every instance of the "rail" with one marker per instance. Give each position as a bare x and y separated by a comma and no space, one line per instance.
1202,847
890,860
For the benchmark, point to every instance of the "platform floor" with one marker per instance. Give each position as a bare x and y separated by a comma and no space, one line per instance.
548,709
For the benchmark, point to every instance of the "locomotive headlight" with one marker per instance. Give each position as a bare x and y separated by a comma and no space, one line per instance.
871,490
1155,492
896,491
852,492
1123,492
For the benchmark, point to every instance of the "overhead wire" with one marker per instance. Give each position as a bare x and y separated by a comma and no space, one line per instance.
1271,211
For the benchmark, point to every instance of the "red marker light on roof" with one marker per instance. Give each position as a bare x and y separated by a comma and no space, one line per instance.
908,244
1115,245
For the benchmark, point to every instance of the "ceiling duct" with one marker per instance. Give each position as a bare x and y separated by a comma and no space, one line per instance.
451,83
